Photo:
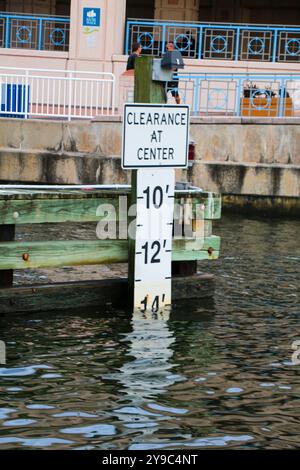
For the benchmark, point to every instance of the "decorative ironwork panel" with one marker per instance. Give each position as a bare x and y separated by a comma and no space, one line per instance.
220,97
256,45
249,95
219,43
150,38
185,41
56,35
289,46
258,98
24,33
291,97
34,32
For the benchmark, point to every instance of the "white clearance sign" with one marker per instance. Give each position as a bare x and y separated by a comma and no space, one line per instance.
155,136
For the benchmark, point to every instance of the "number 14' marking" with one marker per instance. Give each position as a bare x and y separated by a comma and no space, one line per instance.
155,304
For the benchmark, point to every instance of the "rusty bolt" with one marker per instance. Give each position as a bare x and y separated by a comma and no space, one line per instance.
25,256
210,251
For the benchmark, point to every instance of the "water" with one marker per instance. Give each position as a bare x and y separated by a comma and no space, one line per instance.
218,375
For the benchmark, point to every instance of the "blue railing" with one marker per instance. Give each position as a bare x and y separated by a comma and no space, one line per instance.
34,32
248,95
217,41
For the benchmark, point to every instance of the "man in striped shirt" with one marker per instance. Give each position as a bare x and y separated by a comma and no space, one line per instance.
174,84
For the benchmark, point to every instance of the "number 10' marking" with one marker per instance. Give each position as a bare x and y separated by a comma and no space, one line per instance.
157,196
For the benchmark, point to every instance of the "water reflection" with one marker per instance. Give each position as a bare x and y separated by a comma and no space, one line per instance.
147,371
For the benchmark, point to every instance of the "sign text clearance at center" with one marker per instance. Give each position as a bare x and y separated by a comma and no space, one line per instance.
155,142
155,136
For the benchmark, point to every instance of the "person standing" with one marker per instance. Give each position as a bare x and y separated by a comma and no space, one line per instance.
174,84
136,52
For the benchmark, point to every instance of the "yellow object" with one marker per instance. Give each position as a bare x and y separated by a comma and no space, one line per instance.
266,107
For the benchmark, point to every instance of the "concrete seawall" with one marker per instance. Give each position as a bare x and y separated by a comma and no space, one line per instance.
240,157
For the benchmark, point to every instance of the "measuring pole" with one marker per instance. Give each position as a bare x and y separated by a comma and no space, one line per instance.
145,91
152,147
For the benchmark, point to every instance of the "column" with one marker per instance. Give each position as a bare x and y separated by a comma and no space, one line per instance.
93,42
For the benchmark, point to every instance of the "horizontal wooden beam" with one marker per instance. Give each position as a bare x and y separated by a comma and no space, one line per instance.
85,193
94,294
29,255
51,209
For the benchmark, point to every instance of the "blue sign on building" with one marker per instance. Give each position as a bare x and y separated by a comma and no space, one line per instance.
91,17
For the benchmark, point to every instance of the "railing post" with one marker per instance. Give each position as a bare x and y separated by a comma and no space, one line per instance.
237,44
196,95
281,102
40,41
200,43
238,97
113,104
127,37
7,32
275,45
164,36
70,96
26,93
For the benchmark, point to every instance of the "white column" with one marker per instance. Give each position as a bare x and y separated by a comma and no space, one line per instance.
92,48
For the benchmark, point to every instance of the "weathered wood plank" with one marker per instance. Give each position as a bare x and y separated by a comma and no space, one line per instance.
40,211
25,255
52,210
86,193
90,192
92,294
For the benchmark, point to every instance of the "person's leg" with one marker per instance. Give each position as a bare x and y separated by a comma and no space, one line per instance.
176,92
175,95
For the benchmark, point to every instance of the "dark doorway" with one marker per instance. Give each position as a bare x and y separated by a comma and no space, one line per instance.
140,9
63,7
282,12
48,7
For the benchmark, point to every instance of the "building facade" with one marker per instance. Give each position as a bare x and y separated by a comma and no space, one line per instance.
72,44
215,36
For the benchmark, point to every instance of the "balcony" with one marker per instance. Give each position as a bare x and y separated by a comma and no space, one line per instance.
235,42
38,32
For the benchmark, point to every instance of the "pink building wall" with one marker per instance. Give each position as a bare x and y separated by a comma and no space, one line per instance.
101,49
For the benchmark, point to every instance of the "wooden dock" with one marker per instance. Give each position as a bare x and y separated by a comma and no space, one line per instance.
31,205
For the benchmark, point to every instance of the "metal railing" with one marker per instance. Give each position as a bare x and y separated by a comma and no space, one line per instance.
259,94
37,32
65,94
269,43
